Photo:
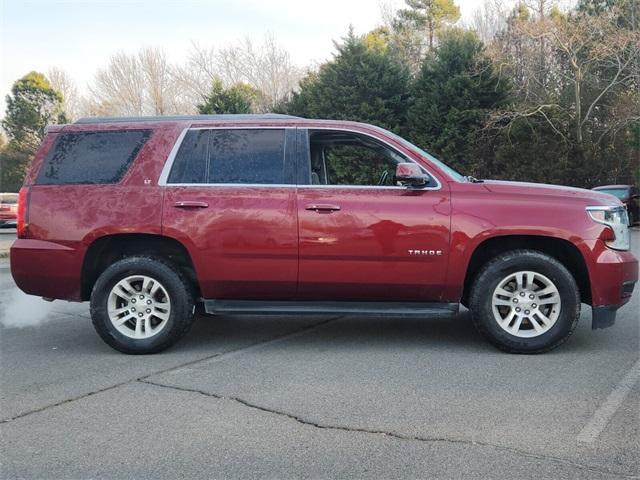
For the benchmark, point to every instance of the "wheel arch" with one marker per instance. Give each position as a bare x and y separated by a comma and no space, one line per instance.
106,250
564,251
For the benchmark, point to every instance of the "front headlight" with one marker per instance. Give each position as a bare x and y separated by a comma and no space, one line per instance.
616,218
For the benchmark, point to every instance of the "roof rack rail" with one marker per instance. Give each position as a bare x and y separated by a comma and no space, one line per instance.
177,118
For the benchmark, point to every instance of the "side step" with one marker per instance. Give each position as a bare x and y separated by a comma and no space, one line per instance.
306,307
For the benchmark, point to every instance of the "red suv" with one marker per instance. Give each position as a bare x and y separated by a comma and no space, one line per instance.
152,218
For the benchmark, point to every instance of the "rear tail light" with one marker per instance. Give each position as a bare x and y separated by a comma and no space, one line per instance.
23,212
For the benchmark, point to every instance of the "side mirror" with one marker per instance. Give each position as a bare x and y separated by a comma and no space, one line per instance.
411,175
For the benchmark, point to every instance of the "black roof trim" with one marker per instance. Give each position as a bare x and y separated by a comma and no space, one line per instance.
179,118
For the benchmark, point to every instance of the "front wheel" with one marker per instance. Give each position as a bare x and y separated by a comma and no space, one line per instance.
524,301
141,305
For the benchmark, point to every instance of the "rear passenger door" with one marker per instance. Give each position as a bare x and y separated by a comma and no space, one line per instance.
230,198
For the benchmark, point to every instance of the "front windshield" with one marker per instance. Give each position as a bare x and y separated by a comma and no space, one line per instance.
443,166
621,193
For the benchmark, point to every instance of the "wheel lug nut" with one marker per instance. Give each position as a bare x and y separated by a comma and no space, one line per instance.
532,296
515,300
522,294
518,309
133,300
148,302
133,309
141,297
526,312
534,305
148,310
140,314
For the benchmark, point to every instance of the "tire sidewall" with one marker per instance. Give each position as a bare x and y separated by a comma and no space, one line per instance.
181,305
482,308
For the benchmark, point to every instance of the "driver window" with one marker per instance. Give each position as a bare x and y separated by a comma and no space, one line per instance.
345,158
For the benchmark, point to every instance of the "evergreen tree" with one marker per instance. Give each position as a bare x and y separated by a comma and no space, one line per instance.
238,98
32,105
362,83
454,92
431,15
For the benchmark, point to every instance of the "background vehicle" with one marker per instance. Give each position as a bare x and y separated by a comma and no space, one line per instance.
630,197
274,214
8,210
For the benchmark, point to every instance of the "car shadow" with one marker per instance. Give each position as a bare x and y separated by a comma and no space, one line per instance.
343,332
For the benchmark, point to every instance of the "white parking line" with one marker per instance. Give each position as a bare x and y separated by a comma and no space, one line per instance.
608,409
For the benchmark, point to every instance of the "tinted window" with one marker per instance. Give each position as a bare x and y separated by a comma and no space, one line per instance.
344,158
190,164
246,156
91,157
230,156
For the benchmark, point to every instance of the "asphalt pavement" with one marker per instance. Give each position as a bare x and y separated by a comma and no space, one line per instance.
313,397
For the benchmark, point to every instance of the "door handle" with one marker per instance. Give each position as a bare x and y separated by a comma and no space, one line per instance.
190,204
320,207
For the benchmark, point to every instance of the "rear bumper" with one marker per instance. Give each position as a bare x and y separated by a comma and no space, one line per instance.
46,269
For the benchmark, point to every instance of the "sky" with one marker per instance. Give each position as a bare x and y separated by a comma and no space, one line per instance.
79,36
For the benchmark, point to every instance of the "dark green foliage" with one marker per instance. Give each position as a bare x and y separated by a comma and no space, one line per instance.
238,98
529,150
362,83
32,105
453,94
13,166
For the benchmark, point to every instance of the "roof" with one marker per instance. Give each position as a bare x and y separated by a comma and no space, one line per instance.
179,118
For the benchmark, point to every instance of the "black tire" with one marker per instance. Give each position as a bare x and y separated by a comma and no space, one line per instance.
181,297
498,268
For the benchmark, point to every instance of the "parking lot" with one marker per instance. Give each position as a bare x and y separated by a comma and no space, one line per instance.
313,397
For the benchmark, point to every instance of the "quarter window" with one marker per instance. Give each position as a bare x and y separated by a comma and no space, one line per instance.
91,157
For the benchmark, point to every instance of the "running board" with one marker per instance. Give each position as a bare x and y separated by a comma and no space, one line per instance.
305,307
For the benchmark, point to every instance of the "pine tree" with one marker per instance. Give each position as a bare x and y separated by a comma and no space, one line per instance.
454,92
362,83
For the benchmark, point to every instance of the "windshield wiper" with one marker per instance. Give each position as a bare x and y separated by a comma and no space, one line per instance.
471,179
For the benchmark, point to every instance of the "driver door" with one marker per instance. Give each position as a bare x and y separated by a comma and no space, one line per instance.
362,236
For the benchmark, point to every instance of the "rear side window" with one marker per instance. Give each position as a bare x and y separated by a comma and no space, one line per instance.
91,157
236,156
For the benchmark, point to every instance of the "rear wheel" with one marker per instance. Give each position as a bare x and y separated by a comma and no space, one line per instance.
141,305
524,301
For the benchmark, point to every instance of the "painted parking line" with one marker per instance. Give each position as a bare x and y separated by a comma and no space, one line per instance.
607,410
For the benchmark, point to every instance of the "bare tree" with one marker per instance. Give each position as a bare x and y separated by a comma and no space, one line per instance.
120,85
589,46
489,19
62,82
141,84
266,66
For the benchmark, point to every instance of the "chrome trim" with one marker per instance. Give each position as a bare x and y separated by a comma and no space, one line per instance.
252,185
600,208
172,156
164,175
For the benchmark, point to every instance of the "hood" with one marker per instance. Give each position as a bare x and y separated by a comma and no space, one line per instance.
591,197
